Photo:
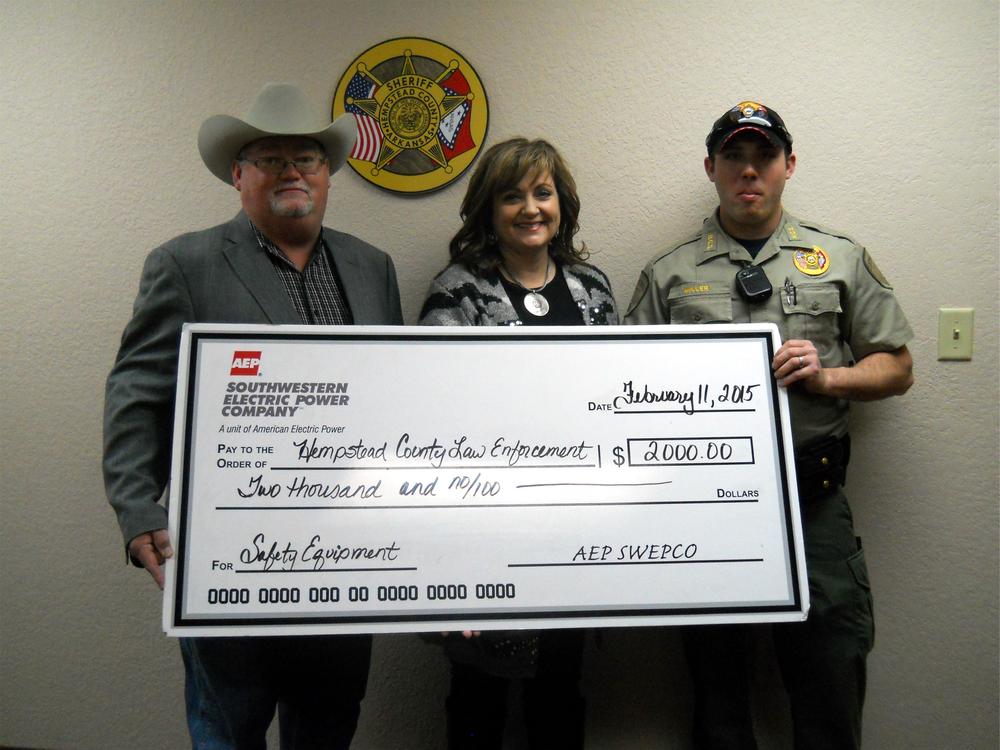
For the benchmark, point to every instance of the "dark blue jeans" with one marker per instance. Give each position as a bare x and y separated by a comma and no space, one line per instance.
233,685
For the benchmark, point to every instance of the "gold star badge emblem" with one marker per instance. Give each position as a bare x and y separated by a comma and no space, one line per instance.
421,114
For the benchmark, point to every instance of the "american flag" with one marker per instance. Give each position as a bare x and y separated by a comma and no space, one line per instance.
369,141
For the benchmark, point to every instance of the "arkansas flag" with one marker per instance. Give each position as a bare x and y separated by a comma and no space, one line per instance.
455,130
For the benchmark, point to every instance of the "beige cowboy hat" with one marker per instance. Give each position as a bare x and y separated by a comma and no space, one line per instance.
278,109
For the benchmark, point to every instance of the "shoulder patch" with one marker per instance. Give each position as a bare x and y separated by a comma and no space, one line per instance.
874,270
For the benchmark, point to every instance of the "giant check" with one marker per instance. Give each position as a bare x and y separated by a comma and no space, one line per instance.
376,479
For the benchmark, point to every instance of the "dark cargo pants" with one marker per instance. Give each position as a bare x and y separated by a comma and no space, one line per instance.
822,660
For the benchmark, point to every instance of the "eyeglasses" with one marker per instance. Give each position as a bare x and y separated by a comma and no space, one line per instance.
275,165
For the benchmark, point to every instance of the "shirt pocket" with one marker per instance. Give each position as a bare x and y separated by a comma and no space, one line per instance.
813,313
700,307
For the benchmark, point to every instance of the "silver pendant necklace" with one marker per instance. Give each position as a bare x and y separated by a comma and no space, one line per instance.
534,302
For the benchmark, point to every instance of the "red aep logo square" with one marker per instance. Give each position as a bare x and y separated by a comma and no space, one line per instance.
245,363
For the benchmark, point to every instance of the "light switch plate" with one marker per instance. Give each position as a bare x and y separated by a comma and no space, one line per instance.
955,333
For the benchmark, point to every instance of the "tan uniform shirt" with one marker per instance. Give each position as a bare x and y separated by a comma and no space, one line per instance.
827,289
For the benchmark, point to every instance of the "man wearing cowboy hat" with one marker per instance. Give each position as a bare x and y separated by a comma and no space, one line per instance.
274,263
844,338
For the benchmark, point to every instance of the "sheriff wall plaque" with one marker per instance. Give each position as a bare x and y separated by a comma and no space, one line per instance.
421,113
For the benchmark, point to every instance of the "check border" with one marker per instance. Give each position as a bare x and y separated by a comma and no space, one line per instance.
195,334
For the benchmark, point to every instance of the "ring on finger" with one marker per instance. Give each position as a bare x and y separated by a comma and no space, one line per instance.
802,362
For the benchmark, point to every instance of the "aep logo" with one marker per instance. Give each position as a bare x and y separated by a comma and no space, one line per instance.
245,363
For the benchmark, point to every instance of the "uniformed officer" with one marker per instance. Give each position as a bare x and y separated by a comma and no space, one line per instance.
844,339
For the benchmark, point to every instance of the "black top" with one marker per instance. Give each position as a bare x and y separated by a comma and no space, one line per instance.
752,246
563,310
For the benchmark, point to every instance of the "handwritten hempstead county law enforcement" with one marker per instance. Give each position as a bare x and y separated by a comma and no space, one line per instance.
432,452
654,489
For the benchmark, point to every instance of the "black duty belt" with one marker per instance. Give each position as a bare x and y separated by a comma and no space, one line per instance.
821,466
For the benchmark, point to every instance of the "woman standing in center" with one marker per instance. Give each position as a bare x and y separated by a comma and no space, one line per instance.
513,262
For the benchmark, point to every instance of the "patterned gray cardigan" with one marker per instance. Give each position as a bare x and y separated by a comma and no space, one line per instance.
459,298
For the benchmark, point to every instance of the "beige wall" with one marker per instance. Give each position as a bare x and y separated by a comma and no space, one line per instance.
894,109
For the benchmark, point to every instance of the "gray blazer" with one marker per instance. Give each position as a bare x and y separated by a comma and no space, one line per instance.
218,275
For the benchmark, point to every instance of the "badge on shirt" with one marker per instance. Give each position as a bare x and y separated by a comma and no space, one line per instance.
813,262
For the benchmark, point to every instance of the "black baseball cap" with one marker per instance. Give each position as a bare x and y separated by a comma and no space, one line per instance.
749,116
